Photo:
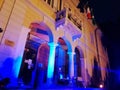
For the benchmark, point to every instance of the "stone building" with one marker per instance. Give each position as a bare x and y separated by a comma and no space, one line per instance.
63,44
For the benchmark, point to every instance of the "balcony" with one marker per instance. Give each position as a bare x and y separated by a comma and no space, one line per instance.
64,14
72,24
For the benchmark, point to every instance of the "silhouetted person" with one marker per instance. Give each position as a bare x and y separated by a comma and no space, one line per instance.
27,68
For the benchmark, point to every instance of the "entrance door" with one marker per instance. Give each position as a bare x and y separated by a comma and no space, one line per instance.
77,63
61,63
28,63
42,64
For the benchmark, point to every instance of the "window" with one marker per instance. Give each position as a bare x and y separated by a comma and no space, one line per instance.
57,4
60,4
1,3
49,1
52,3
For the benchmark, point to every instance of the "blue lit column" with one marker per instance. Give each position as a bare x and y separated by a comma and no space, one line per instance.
51,62
71,65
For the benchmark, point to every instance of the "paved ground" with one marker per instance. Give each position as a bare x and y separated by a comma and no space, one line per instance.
21,86
52,87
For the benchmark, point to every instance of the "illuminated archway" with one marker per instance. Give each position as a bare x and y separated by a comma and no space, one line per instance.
42,65
41,30
77,63
61,62
37,42
79,66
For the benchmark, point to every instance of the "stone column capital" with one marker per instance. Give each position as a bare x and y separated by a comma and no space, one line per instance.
71,53
52,44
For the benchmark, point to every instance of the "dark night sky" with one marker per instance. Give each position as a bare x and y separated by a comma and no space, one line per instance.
107,14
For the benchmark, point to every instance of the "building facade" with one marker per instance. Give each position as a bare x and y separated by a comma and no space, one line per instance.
50,41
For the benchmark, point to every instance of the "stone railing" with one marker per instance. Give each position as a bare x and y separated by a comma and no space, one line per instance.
63,14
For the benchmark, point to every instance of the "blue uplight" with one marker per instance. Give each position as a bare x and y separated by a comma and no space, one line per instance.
51,62
61,76
6,68
16,67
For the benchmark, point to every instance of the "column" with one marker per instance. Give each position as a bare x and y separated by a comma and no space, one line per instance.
19,50
51,61
71,65
84,71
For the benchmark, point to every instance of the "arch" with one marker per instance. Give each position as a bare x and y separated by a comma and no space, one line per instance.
42,64
79,65
43,54
41,28
79,61
68,44
43,35
37,40
80,51
61,61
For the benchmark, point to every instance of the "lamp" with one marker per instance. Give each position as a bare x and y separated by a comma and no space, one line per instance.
101,86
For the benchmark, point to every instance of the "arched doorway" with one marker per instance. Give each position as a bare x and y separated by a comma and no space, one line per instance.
28,61
61,63
42,64
37,40
79,68
77,63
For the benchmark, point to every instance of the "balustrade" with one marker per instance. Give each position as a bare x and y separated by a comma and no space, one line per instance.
64,14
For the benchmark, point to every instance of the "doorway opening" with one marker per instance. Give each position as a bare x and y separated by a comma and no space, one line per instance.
61,71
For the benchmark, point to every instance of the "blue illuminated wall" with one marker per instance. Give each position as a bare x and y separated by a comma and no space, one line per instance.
61,57
6,68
